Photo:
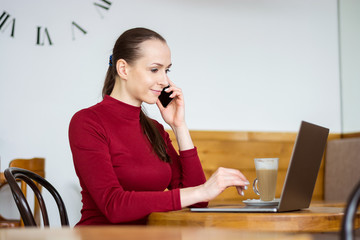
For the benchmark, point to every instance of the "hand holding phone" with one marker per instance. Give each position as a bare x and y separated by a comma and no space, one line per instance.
165,98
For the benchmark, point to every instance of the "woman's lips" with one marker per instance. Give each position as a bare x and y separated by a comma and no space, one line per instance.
156,92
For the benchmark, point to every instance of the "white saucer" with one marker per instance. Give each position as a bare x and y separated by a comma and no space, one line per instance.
258,202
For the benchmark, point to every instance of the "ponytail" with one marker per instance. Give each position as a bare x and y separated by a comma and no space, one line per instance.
109,82
153,134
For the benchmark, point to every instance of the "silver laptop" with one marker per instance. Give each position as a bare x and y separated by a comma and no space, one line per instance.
300,177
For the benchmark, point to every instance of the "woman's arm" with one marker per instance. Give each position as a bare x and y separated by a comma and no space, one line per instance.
183,138
174,115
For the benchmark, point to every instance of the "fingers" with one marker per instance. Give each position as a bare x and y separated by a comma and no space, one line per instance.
241,190
222,179
176,92
235,174
228,177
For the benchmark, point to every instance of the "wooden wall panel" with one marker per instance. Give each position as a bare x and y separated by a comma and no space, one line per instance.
238,150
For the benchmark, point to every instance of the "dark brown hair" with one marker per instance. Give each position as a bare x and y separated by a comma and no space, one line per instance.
127,48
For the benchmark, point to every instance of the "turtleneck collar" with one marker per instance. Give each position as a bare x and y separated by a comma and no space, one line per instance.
125,110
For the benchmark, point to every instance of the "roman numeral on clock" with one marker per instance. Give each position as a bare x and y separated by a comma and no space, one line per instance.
5,21
75,25
102,5
42,34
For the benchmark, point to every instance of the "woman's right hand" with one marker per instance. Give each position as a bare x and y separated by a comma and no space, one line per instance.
217,183
222,179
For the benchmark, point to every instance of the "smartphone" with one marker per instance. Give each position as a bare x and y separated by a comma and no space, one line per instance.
165,98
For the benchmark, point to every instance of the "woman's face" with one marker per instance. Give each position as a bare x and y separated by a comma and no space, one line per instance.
147,76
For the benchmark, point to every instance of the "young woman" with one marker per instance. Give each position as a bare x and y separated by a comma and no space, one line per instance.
125,161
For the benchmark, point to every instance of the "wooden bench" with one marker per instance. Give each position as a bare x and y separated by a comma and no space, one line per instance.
342,172
238,150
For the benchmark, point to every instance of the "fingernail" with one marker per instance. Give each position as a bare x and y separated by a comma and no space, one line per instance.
245,187
242,193
247,182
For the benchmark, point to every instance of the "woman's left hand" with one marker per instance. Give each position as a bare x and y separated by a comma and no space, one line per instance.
174,113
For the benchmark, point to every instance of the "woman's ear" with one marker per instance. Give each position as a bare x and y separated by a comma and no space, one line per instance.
122,68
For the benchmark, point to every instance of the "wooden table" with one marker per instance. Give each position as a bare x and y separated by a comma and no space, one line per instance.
317,218
144,232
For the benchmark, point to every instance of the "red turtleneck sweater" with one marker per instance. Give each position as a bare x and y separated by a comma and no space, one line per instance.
122,179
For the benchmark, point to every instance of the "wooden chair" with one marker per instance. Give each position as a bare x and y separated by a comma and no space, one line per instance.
36,165
11,174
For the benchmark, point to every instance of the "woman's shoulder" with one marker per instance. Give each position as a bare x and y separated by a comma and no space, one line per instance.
86,114
161,128
157,124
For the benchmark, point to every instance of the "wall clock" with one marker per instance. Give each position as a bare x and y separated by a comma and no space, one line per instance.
19,16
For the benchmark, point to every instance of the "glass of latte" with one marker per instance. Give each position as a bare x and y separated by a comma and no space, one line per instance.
266,175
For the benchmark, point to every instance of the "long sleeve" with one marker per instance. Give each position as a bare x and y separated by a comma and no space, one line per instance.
186,169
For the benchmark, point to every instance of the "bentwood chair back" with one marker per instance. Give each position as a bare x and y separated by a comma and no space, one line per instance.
12,174
347,228
36,165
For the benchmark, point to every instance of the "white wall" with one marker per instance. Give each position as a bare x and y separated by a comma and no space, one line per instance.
243,65
350,61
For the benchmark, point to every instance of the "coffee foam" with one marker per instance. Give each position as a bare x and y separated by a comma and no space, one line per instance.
266,163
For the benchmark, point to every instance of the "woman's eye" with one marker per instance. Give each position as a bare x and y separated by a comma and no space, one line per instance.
167,70
154,70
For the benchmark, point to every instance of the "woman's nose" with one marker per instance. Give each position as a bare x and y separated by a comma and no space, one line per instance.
164,81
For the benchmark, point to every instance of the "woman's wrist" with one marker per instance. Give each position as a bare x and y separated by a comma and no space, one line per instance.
183,137
192,195
179,128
